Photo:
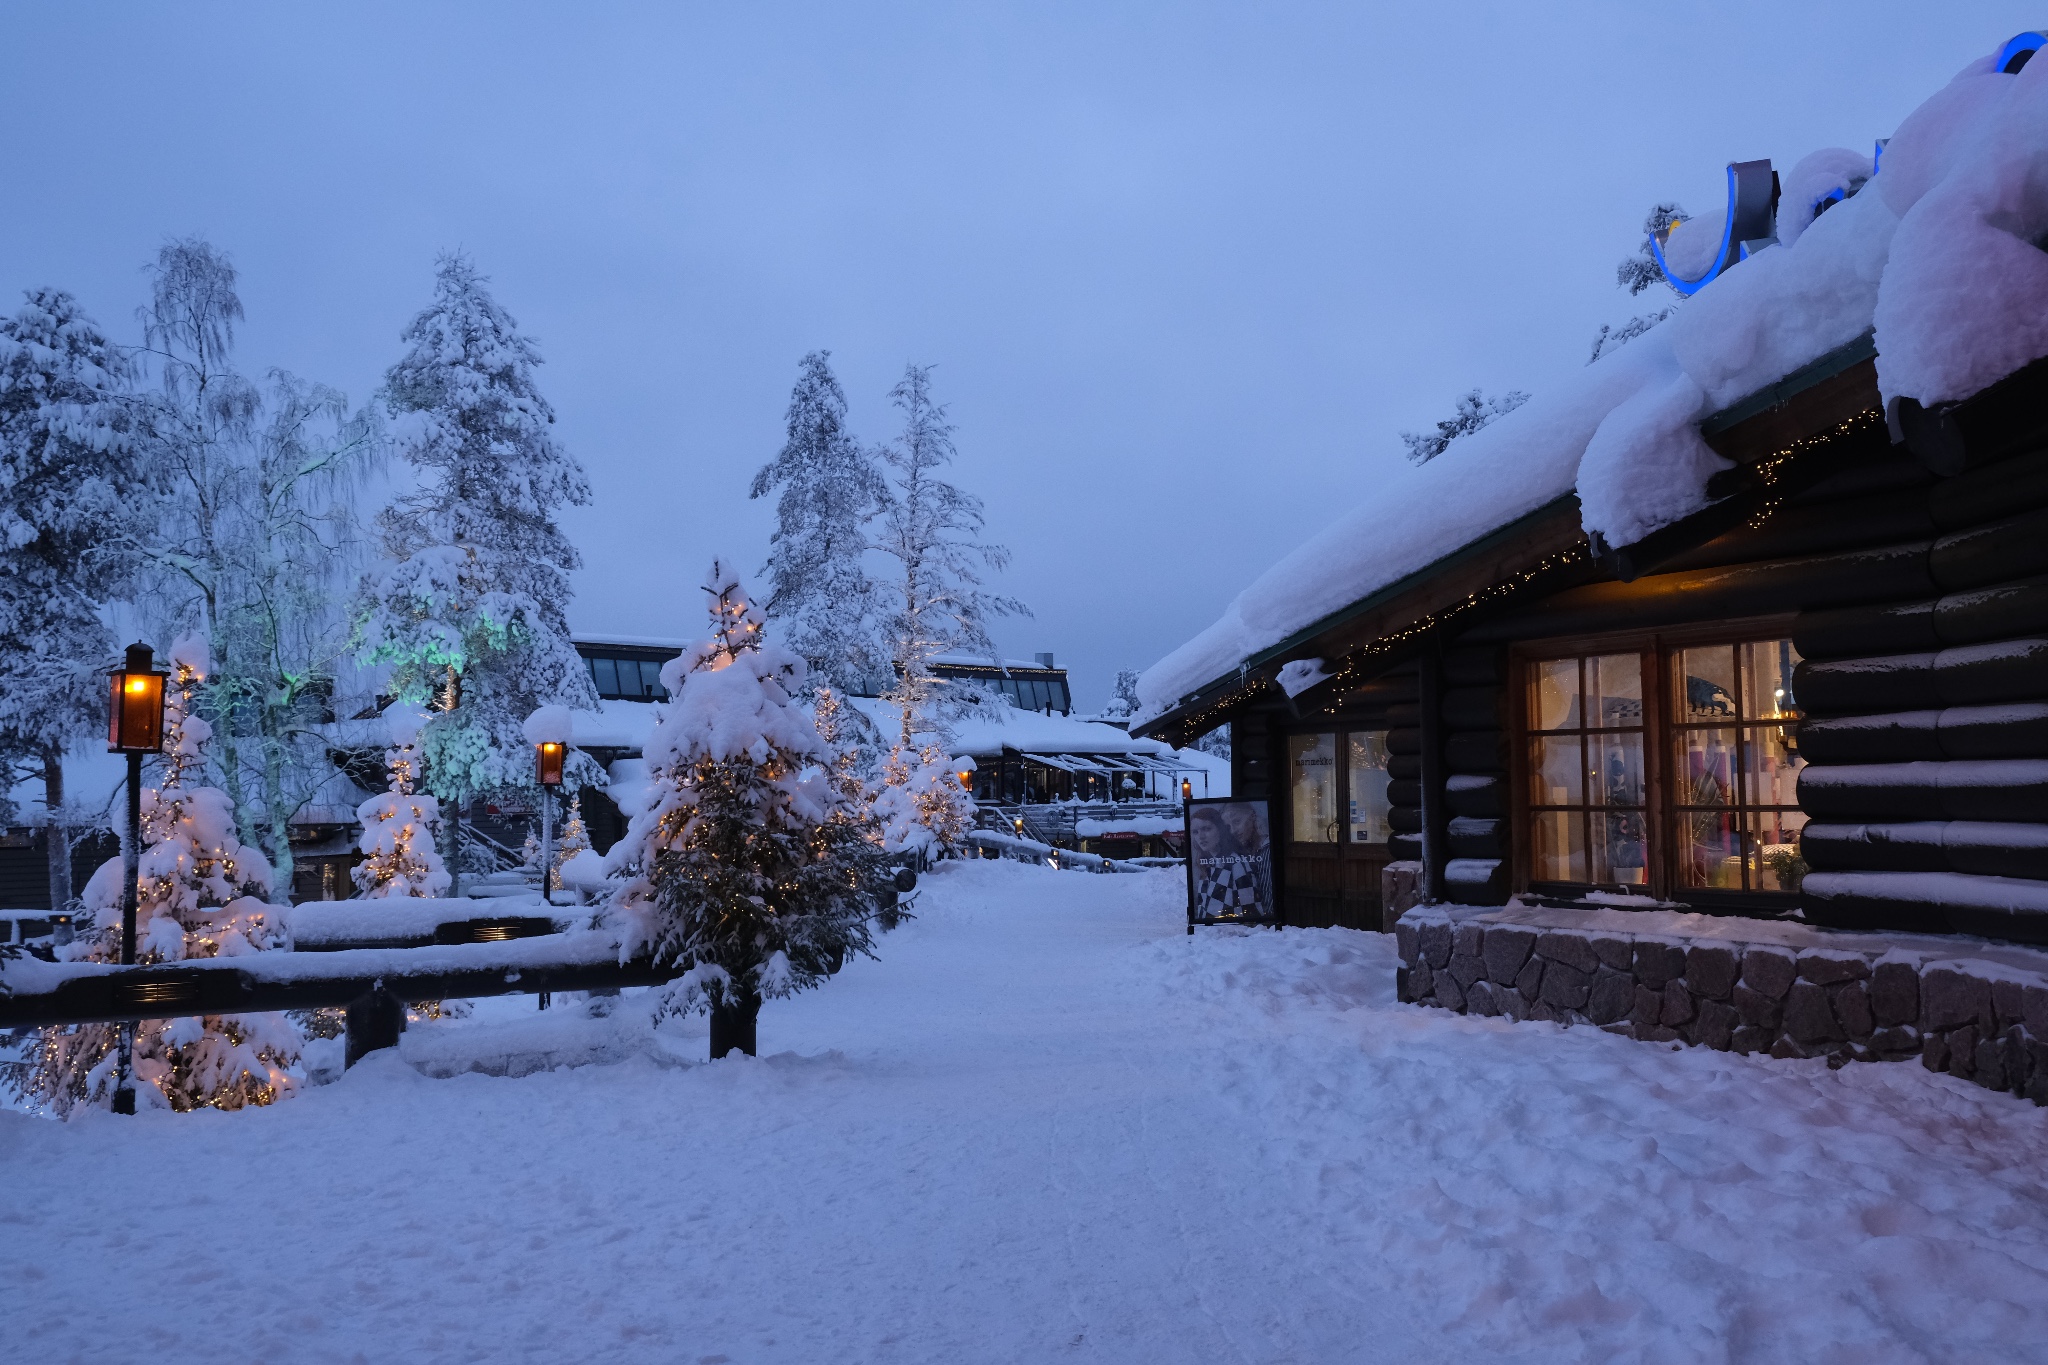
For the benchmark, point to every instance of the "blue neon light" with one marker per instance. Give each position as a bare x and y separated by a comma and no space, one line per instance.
1690,287
2019,49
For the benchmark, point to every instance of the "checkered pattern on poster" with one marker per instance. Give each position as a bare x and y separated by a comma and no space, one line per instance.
1231,856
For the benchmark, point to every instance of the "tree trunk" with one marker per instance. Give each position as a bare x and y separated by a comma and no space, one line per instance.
732,1026
56,835
452,832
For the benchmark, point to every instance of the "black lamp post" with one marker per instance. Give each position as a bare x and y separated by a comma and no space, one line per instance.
135,726
547,770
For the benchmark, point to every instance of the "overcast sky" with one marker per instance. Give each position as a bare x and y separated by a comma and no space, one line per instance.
1185,271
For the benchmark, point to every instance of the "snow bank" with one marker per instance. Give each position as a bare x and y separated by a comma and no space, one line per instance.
1936,253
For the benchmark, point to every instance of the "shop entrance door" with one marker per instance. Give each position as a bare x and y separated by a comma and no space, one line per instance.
1336,823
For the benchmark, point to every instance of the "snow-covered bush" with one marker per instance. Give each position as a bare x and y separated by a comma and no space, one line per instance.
921,805
399,826
749,865
203,893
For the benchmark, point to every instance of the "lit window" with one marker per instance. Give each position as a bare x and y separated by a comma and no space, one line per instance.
1588,803
1735,767
1312,769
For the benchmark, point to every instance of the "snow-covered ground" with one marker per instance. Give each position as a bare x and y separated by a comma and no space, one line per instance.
1049,1126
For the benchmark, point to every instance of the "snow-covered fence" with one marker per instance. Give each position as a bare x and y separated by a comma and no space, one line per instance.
34,993
418,922
1032,851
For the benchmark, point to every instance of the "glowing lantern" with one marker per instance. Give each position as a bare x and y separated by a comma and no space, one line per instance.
135,704
547,762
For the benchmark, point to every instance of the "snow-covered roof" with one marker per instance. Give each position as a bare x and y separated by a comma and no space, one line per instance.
1024,731
1935,255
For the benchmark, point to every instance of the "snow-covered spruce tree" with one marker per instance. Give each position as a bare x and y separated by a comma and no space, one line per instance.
399,825
921,806
829,488
1637,272
574,836
1474,411
69,510
748,866
253,538
473,608
203,893
1123,699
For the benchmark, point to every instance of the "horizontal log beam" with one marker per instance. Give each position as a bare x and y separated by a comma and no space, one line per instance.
2017,730
2013,789
40,994
1968,675
1981,847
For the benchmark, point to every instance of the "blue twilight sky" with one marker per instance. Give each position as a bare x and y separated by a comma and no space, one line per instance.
1186,270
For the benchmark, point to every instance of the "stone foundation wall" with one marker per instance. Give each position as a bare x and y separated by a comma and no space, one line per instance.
1983,1020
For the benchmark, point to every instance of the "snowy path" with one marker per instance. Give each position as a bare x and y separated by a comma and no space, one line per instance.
1048,1126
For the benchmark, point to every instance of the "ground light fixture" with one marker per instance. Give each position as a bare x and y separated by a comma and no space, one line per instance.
135,726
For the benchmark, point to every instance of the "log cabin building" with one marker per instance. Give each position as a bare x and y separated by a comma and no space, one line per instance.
1818,692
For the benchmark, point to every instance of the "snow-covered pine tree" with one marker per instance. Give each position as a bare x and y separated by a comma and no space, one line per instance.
829,488
473,609
400,824
203,894
748,865
1637,272
574,836
921,805
1474,411
69,510
1123,699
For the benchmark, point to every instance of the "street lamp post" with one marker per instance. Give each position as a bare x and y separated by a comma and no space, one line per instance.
135,726
547,770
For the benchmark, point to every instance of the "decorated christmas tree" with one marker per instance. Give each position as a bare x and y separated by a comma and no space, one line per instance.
922,807
573,837
749,866
399,826
203,893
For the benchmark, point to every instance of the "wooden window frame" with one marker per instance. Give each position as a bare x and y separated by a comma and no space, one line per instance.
1657,650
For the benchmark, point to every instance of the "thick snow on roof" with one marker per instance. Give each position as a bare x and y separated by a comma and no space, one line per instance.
1936,254
1026,731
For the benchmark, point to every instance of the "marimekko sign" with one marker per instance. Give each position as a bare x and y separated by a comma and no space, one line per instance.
1230,863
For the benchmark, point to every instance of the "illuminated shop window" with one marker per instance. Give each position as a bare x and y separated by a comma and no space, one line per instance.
1735,767
1588,797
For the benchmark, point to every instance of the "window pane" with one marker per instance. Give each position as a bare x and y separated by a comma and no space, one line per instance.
1368,760
1560,846
1554,695
1312,763
1778,864
1614,690
1557,771
1767,679
605,672
1708,683
650,680
1772,775
1617,769
1618,849
1710,849
1705,771
1059,695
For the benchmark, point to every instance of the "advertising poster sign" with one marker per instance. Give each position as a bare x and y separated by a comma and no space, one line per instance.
1230,863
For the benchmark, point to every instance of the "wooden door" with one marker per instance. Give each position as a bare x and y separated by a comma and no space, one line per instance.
1336,828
